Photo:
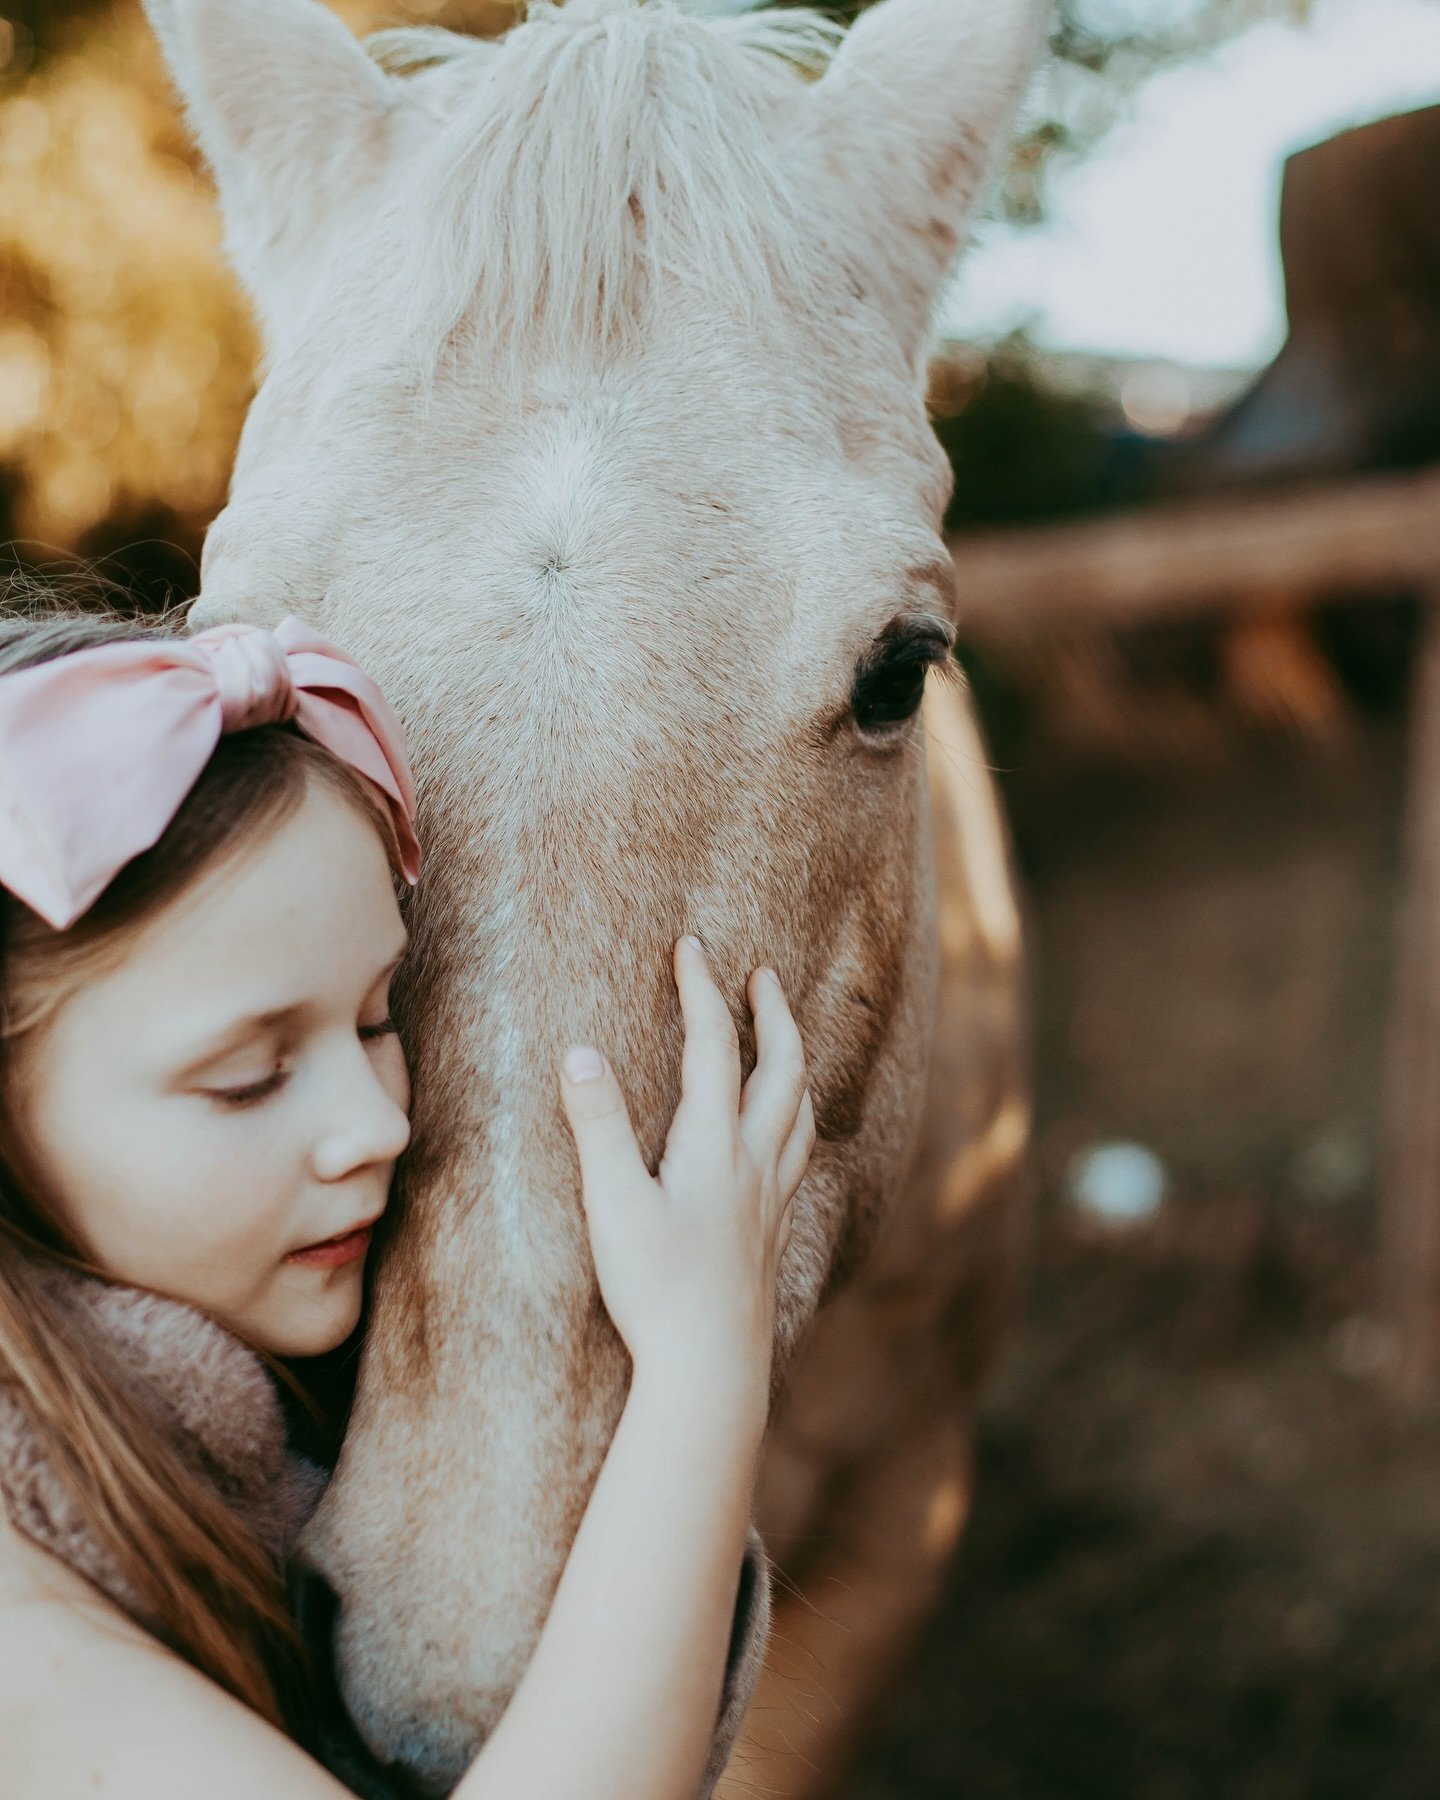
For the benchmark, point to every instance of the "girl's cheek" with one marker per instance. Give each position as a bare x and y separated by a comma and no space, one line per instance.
239,1208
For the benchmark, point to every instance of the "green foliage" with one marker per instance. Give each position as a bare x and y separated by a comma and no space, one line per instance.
1102,51
1021,451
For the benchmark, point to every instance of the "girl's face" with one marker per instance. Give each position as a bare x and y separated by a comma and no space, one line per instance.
219,1117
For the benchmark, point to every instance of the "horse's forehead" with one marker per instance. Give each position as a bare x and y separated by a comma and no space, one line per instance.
563,466
693,488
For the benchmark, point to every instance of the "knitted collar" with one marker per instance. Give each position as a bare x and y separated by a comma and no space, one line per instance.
209,1392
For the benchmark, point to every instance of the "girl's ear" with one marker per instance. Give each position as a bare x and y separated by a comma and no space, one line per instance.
289,110
910,115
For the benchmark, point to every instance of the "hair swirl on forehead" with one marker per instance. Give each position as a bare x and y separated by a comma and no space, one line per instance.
214,1587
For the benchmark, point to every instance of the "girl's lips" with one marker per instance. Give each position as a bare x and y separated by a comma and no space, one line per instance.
334,1252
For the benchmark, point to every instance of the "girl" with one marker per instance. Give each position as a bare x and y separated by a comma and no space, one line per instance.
202,1101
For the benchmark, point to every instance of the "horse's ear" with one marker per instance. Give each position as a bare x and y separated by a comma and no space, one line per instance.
288,108
909,116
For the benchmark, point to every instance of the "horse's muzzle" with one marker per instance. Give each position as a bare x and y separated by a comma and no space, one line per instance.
332,1737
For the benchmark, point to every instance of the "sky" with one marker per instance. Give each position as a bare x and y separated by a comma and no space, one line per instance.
1163,243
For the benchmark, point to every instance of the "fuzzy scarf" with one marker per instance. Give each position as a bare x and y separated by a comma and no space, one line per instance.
206,1390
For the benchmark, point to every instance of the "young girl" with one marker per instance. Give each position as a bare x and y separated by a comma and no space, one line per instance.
202,1101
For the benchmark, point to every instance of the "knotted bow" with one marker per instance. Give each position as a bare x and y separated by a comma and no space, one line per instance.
99,748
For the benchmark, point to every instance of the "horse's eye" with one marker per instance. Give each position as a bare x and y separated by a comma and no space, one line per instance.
890,680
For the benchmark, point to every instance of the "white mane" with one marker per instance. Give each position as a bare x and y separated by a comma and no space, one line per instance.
670,122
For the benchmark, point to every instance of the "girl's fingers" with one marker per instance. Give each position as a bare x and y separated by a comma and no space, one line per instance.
776,1087
600,1120
783,1230
795,1157
710,1069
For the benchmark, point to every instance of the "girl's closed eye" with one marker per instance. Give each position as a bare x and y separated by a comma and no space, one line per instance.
251,1093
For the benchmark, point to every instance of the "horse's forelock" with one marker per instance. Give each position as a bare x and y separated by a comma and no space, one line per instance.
671,125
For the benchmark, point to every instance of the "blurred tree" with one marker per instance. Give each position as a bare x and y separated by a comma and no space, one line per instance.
126,349
1102,51
1020,450
125,354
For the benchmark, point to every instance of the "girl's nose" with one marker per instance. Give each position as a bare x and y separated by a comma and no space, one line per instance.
366,1121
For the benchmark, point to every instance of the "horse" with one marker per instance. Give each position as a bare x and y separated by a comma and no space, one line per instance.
592,422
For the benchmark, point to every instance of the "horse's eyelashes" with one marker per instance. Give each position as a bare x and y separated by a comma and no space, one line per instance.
890,681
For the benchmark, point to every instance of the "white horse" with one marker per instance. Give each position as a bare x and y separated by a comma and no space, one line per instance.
592,421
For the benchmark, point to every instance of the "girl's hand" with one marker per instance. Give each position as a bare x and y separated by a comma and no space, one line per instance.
687,1259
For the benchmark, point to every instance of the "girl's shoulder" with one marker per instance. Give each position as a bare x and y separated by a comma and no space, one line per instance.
88,1699
35,1585
49,1618
43,1622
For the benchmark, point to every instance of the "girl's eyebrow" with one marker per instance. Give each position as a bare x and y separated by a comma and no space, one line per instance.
240,1030
236,1033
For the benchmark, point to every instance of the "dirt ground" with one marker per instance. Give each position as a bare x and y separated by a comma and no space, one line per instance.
1204,1559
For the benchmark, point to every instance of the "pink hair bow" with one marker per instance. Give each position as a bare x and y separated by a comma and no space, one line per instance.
98,748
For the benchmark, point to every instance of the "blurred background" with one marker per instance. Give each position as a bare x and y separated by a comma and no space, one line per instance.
1205,1557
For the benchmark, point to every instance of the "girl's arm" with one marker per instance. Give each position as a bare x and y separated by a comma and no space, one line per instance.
621,1696
620,1699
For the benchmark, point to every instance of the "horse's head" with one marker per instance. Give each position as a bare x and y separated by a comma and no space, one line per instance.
593,423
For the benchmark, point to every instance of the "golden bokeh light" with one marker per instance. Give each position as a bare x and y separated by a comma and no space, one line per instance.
127,351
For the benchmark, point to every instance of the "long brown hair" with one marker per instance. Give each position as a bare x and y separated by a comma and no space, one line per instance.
215,1590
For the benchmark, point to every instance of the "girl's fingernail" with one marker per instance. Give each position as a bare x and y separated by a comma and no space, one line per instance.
583,1064
691,942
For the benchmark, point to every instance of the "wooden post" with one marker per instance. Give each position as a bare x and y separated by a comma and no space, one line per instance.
1410,1197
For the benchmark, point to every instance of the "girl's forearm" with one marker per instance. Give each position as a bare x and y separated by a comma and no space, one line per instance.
620,1698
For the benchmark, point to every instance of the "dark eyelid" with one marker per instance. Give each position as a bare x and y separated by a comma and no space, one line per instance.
905,650
918,628
912,639
912,636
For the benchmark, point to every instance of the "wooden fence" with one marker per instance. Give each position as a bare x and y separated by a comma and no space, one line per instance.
1251,554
